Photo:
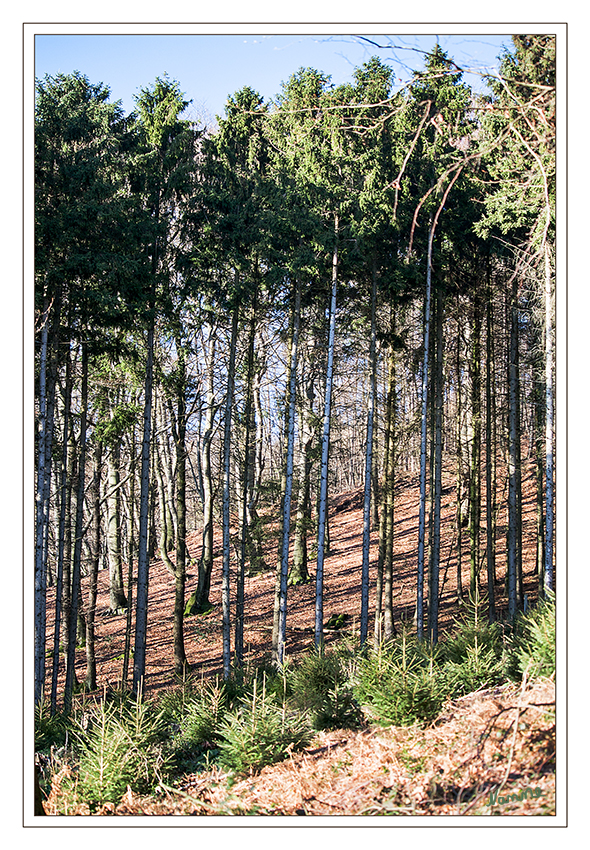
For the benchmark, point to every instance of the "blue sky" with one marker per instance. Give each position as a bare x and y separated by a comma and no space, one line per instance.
211,67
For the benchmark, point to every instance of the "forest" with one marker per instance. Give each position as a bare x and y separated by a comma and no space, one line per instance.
340,302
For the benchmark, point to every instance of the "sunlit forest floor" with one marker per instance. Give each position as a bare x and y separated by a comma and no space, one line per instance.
342,589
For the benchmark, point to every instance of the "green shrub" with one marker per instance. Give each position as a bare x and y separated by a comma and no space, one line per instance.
50,730
260,731
474,656
267,677
401,684
321,686
201,720
173,704
119,746
479,667
532,646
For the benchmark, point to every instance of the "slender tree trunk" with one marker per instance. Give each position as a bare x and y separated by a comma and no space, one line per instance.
388,504
63,505
199,600
143,563
323,504
165,537
130,558
299,573
153,493
438,426
71,478
168,475
284,564
94,564
459,453
117,598
490,452
475,464
225,580
369,465
256,554
246,483
378,627
41,517
423,446
549,424
180,662
538,448
514,520
73,620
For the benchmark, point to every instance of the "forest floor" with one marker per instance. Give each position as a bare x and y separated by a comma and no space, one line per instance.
499,741
342,586
477,744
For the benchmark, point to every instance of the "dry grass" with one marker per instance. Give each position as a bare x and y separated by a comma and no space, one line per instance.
497,738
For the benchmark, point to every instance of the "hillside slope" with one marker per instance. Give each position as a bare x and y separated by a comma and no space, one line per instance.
480,755
342,572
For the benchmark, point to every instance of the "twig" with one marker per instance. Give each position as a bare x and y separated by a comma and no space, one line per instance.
513,744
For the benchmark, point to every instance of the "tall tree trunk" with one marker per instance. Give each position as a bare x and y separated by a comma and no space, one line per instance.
423,445
73,619
117,598
199,600
165,538
130,558
225,580
143,563
378,626
90,680
246,487
180,662
323,503
63,517
71,477
167,473
549,424
41,515
475,464
514,518
281,631
490,466
299,571
369,464
459,473
438,427
539,456
388,505
49,362
256,554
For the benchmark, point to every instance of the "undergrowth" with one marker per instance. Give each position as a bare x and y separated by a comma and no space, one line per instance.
261,715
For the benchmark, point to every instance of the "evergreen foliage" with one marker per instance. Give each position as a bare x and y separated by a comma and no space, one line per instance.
321,687
119,745
400,683
260,731
532,645
473,655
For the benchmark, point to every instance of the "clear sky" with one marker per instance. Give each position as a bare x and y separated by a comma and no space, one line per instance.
211,67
